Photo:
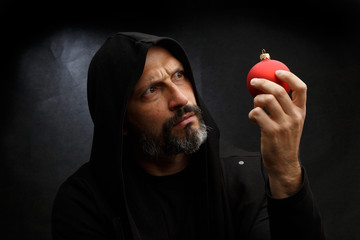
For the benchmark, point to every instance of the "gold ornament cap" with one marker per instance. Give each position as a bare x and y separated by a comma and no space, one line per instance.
264,55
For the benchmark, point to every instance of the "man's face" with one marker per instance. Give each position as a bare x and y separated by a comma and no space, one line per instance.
162,110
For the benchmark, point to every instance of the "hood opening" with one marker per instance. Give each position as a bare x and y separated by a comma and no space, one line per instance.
113,73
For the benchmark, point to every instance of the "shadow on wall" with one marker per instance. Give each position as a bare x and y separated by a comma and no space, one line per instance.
50,134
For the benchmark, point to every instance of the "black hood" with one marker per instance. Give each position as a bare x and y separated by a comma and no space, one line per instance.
113,73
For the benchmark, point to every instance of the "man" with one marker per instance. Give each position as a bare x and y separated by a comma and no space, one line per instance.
157,170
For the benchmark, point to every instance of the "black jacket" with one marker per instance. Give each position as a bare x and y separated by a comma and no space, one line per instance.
94,202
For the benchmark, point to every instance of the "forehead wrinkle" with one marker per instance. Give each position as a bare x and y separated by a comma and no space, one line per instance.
172,66
148,78
159,72
164,70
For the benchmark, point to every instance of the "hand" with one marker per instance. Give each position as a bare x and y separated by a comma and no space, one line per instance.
281,130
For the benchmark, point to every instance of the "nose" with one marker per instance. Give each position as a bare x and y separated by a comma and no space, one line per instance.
177,98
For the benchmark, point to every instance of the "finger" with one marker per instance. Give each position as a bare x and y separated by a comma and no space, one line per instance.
271,104
297,85
259,117
278,91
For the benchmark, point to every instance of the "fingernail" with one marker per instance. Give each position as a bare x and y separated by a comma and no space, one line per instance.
254,81
279,72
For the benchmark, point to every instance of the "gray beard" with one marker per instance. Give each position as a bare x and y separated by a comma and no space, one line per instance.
172,145
167,144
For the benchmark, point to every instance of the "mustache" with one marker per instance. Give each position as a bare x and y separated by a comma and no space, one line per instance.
181,112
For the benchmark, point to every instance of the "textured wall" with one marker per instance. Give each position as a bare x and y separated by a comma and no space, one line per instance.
46,129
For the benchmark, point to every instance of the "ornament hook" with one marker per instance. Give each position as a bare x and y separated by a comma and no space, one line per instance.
264,55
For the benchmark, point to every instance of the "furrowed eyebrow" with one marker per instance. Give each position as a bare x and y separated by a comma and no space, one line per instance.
153,80
142,89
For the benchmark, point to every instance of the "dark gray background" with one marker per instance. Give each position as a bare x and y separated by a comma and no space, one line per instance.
46,129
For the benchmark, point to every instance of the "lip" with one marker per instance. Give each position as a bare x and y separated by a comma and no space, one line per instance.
186,119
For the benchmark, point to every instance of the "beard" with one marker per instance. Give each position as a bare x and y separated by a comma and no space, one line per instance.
167,143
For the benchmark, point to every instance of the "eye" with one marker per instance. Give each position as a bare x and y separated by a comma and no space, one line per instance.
150,90
179,74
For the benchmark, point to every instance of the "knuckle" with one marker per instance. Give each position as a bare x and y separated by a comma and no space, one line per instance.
297,120
298,117
270,98
254,113
280,91
264,99
303,87
257,99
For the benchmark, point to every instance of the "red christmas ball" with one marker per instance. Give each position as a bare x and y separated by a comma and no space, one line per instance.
266,68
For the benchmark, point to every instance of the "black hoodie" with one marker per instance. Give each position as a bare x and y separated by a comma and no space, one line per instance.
97,202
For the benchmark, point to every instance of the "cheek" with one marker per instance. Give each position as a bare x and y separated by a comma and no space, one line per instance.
189,93
154,119
148,119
